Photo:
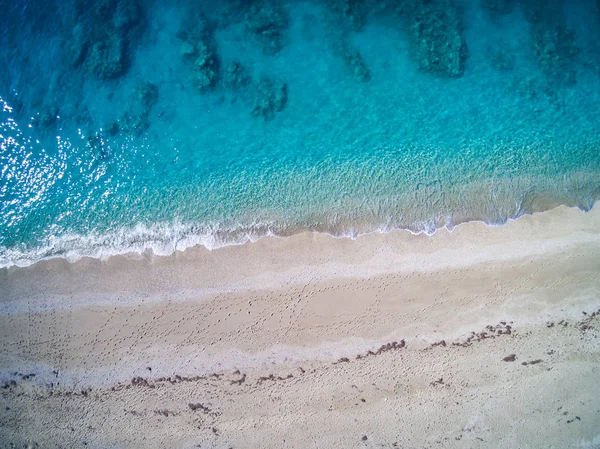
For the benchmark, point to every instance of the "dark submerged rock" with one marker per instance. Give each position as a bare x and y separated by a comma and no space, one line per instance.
499,7
357,65
435,35
270,97
267,22
200,49
102,36
135,120
235,76
354,11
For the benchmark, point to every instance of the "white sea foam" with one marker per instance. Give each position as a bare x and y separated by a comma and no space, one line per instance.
164,239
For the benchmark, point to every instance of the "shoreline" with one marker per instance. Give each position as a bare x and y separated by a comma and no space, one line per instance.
158,240
265,342
311,245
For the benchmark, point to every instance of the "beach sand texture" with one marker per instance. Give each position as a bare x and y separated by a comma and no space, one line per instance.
480,337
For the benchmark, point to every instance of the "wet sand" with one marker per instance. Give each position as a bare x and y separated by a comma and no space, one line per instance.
482,337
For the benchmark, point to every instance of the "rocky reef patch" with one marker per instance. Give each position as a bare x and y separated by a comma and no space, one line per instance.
238,50
135,120
499,7
552,42
435,35
353,11
200,51
270,97
553,45
102,36
357,65
235,76
266,22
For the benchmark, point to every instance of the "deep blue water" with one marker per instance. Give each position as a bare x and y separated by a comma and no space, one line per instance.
129,125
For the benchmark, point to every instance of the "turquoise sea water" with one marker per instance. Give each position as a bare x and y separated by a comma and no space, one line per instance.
130,125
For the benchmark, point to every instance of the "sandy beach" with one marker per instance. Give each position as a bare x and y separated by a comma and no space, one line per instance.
481,337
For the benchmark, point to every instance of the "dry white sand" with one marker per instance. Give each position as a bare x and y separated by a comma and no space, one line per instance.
390,340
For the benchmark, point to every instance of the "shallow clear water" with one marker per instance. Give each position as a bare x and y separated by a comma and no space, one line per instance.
103,154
